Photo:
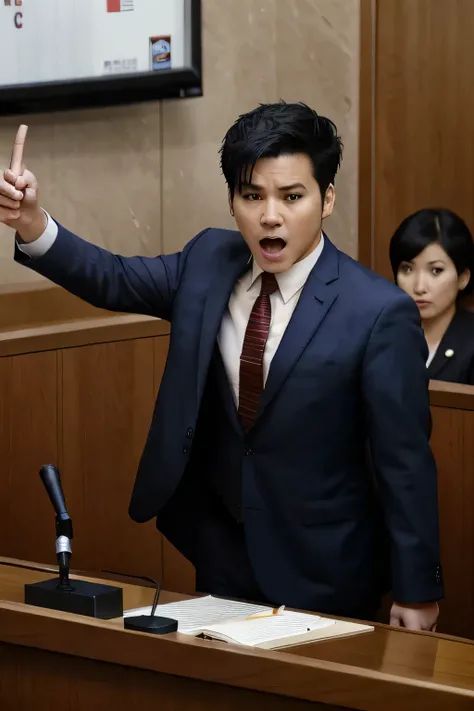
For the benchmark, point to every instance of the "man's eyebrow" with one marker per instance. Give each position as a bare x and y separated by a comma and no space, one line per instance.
293,186
283,188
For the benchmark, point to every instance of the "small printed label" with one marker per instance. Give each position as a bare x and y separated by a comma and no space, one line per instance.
120,66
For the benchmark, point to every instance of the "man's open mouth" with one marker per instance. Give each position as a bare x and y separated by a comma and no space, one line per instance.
272,246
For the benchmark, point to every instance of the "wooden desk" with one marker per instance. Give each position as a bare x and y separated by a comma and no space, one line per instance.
55,660
452,440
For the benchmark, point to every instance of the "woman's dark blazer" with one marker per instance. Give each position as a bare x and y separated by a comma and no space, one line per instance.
454,359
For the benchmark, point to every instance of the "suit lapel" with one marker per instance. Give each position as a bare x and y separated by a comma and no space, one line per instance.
446,351
317,297
229,267
439,361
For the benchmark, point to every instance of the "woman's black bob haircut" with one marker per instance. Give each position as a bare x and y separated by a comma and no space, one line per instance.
429,226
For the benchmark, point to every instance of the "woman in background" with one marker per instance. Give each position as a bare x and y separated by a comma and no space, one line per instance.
432,257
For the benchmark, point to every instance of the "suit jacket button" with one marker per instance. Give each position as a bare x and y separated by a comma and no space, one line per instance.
185,450
189,433
248,451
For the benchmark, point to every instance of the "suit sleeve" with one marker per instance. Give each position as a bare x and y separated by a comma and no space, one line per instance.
395,390
141,285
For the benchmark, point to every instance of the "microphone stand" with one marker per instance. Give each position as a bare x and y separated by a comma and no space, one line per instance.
64,536
151,623
84,597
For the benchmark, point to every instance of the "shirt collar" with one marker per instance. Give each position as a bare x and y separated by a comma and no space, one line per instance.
291,281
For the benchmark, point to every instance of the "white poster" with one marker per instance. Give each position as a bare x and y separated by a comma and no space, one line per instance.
57,40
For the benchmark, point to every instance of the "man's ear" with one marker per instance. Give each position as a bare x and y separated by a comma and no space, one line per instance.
231,203
329,200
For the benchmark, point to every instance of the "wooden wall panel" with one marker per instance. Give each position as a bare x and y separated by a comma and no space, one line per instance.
74,155
87,410
366,127
29,393
424,104
453,448
108,397
423,156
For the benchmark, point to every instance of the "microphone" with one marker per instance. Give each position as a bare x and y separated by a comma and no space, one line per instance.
52,482
83,597
64,533
151,623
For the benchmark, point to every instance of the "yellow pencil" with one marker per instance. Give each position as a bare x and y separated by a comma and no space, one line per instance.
269,613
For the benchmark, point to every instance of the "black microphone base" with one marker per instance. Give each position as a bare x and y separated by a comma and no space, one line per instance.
152,625
84,598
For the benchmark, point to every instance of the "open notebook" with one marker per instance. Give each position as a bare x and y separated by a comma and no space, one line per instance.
249,624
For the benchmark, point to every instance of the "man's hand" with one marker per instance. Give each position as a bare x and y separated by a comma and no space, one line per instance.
415,616
19,206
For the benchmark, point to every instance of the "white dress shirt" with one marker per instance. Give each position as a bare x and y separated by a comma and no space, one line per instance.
42,244
431,355
234,323
283,302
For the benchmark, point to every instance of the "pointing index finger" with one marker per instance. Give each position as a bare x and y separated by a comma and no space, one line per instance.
17,152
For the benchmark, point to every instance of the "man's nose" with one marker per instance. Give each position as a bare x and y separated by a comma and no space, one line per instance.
271,215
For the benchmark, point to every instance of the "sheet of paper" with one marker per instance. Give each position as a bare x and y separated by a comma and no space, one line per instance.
200,612
267,629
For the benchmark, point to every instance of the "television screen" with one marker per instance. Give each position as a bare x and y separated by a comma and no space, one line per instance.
72,53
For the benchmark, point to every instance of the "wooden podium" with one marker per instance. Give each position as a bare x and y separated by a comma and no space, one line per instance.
54,660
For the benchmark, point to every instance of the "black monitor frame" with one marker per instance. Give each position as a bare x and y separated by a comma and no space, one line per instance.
112,90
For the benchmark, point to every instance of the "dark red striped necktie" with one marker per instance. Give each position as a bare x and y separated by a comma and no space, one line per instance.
251,381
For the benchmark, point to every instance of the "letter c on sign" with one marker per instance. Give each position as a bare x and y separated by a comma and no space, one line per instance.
18,20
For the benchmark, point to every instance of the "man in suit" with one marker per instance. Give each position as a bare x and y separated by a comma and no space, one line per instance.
288,361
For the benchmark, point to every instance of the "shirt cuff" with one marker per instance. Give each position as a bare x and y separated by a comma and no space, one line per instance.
40,246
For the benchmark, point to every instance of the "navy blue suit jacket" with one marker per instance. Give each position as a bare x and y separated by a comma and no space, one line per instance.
350,371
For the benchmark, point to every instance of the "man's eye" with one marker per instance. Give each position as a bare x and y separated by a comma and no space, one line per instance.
251,197
293,197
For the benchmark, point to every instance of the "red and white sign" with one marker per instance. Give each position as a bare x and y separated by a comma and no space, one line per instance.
119,5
